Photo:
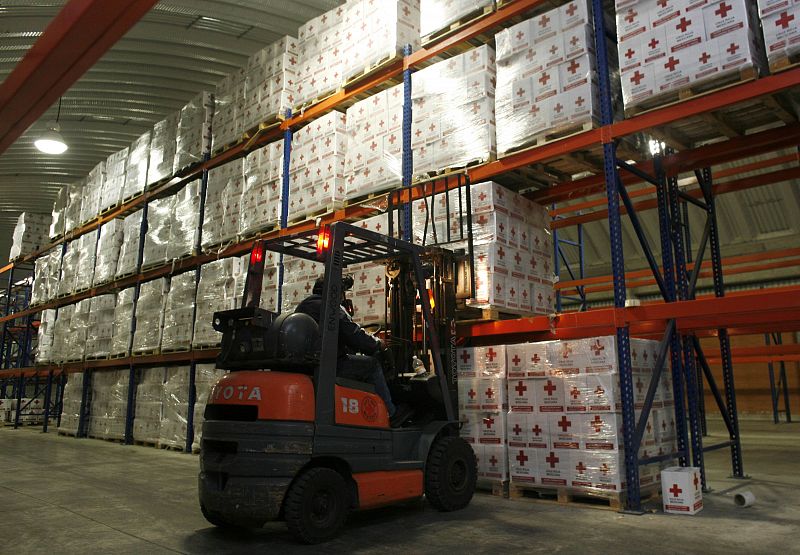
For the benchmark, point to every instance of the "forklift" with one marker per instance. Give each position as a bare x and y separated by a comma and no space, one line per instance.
284,438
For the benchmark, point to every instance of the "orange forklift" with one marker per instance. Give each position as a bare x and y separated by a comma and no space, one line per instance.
285,438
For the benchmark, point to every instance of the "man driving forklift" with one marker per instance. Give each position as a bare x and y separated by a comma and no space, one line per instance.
359,351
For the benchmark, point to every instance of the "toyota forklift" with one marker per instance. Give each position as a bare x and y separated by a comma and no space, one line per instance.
284,438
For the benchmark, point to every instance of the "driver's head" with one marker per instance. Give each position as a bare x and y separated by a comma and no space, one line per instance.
318,285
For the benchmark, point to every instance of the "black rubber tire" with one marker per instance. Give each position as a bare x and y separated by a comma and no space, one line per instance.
316,505
450,474
216,519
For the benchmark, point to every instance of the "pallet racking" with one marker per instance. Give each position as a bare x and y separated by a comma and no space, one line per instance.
678,319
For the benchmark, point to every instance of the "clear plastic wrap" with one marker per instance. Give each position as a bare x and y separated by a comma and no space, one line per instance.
59,212
269,82
374,155
100,329
260,206
228,99
175,408
159,224
108,247
436,15
781,29
453,112
220,288
178,313
149,405
30,234
316,167
150,316
136,166
47,271
61,333
298,280
71,406
343,42
546,81
661,51
69,268
75,345
45,336
72,219
84,273
129,249
114,184
162,148
109,404
123,314
93,192
223,196
193,138
206,375
185,217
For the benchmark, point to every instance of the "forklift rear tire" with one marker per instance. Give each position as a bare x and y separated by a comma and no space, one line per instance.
450,474
317,505
216,520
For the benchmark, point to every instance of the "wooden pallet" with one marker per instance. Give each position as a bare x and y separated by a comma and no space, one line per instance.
65,433
118,356
317,213
451,170
111,208
455,26
388,58
379,194
594,499
204,347
785,62
497,489
145,443
109,439
670,98
97,357
123,276
466,314
166,350
252,235
151,265
129,198
169,447
552,135
145,352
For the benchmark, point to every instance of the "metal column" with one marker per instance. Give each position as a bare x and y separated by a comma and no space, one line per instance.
408,154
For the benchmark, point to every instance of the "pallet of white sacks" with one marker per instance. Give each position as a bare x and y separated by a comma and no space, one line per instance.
577,497
466,19
670,98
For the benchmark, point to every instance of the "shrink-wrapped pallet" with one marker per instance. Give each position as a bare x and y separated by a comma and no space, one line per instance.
129,249
45,336
75,346
159,225
162,149
93,192
179,313
316,167
175,408
299,275
342,43
228,99
260,204
62,333
47,272
223,195
30,234
72,218
114,183
136,167
453,121
123,315
150,316
438,15
99,332
149,405
71,405
220,288
69,268
193,138
185,217
59,212
109,245
206,375
780,20
109,404
87,250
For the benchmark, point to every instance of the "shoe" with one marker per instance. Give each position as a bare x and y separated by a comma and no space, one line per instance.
401,414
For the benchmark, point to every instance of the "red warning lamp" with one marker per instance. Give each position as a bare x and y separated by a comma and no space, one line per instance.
323,241
257,254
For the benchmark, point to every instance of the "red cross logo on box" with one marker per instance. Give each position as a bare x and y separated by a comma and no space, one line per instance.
575,392
637,77
571,9
535,358
599,390
723,9
597,423
552,459
564,423
472,393
630,53
520,35
537,431
684,24
696,480
662,3
631,16
465,356
516,429
522,458
671,64
544,78
549,388
574,66
544,20
488,422
516,360
490,393
491,354
732,49
493,460
675,490
784,20
598,348
581,468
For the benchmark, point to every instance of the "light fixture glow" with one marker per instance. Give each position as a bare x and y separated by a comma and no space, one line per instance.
51,141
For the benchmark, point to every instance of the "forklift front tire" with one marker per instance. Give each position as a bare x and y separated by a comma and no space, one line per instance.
450,474
317,505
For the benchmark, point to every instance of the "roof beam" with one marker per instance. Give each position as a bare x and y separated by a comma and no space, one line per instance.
73,41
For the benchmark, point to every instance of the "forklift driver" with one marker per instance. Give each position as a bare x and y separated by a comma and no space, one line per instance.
364,367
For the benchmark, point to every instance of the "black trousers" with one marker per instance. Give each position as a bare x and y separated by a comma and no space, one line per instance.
363,368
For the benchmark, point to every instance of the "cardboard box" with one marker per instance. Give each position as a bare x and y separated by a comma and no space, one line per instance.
524,464
522,395
548,394
682,490
565,430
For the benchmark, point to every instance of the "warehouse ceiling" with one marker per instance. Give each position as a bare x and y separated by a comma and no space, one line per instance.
184,46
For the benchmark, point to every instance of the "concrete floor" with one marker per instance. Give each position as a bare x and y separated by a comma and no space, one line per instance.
62,495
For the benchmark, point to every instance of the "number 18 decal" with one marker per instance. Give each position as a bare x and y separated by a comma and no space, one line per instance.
350,405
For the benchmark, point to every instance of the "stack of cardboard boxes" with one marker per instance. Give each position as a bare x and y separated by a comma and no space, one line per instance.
193,137
149,401
159,225
222,208
780,20
101,326
123,315
184,219
109,404
114,183
436,15
47,274
45,336
669,45
136,167
546,81
260,205
178,313
109,244
150,316
93,192
71,403
129,248
30,234
220,288
162,149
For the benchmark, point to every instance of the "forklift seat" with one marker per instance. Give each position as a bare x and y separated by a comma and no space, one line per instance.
355,384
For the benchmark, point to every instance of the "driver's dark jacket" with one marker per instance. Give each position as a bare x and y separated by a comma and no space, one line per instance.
352,338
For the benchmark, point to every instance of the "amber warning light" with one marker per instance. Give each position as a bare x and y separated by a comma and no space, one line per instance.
323,241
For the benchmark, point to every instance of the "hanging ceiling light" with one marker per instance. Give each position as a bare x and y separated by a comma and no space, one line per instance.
51,141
